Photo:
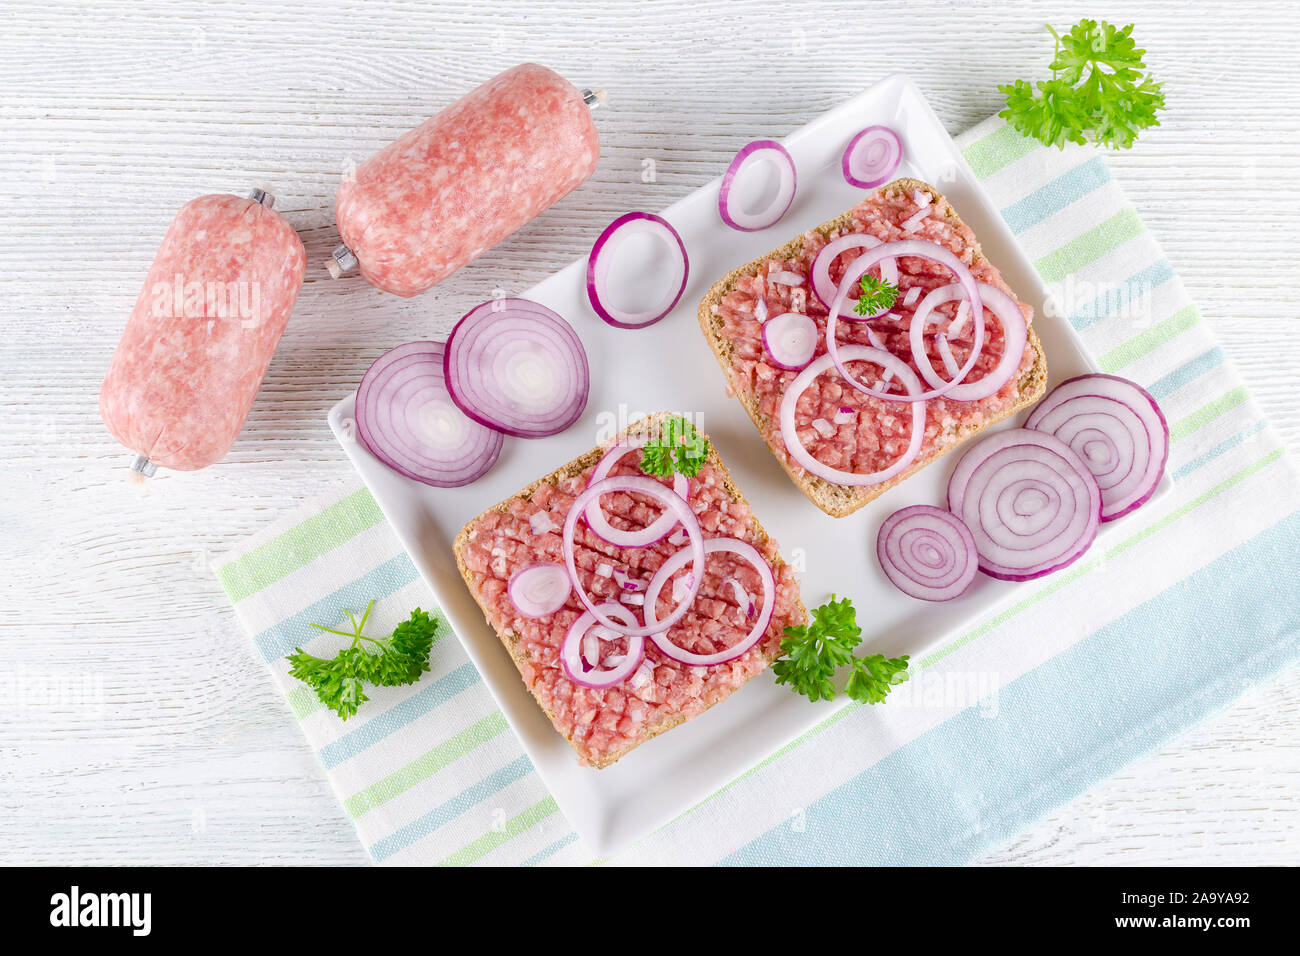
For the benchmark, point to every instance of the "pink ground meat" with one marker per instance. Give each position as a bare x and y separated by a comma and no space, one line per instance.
879,430
604,722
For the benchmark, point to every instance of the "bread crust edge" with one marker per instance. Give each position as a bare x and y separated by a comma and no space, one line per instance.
577,466
842,500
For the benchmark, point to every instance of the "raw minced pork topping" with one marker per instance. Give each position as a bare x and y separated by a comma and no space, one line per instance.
603,723
839,425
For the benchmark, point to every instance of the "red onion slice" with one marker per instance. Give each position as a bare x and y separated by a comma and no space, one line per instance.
1117,429
751,156
924,250
850,353
539,589
927,553
743,600
674,563
516,366
578,670
628,583
790,340
1015,333
1030,503
406,417
825,289
601,259
871,157
652,532
672,502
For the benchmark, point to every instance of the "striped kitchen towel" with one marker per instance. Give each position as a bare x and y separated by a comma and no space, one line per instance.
1189,605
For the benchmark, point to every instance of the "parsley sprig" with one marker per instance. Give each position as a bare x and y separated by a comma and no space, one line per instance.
877,295
814,652
1098,89
388,662
677,449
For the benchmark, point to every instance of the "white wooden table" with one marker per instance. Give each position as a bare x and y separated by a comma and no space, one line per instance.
135,723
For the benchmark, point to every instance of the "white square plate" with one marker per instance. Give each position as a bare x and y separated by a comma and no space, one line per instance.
669,367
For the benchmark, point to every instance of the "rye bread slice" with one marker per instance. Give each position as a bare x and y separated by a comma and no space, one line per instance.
840,500
510,640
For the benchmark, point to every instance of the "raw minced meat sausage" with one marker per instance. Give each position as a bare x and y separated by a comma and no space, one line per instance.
462,181
202,332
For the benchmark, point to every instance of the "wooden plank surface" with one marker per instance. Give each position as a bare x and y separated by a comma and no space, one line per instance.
140,727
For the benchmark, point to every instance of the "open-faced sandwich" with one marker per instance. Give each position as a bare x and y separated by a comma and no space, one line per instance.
906,371
680,596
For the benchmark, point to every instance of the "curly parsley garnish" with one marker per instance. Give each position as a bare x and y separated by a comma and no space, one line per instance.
677,449
389,662
877,295
1098,90
814,652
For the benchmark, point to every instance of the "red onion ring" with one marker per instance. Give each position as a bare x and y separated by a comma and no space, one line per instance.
820,272
650,533
790,340
539,589
674,563
1030,503
1117,429
516,366
871,157
927,553
602,254
673,502
924,250
406,417
571,650
790,401
788,181
1015,334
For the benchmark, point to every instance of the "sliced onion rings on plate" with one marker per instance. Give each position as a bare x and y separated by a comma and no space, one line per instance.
1029,501
516,366
871,157
600,261
406,417
750,156
1117,429
927,553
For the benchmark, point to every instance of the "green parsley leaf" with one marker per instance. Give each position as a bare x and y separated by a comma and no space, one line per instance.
677,449
813,652
399,659
877,295
1098,91
413,640
657,460
873,676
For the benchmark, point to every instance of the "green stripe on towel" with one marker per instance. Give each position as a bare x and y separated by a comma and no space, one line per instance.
1000,148
300,545
426,765
1091,246
1150,340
